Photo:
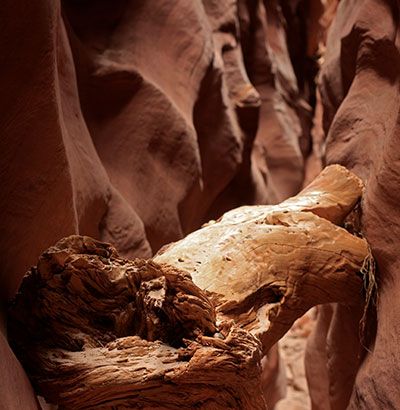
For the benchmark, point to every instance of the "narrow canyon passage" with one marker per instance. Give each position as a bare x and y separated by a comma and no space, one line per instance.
208,188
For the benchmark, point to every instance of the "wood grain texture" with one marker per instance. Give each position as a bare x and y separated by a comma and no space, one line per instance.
188,328
265,266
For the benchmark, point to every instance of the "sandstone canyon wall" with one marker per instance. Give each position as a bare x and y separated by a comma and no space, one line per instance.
135,122
359,84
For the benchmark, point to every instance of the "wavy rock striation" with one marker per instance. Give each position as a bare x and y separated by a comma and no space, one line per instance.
359,85
134,124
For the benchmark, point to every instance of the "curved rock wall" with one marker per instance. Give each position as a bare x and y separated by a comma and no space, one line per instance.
359,85
135,124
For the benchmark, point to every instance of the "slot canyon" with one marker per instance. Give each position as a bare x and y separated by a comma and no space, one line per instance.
200,204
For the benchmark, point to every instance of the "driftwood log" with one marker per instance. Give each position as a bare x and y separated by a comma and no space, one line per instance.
188,328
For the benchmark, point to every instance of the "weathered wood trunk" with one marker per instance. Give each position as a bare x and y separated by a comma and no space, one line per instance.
187,329
265,266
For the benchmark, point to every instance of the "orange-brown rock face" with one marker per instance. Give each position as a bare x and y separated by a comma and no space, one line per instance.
361,100
134,123
138,106
282,139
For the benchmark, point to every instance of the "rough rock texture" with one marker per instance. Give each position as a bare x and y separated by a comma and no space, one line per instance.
185,328
359,86
292,349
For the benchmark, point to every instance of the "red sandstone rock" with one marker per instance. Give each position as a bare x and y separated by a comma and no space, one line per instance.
135,124
360,96
278,148
122,131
